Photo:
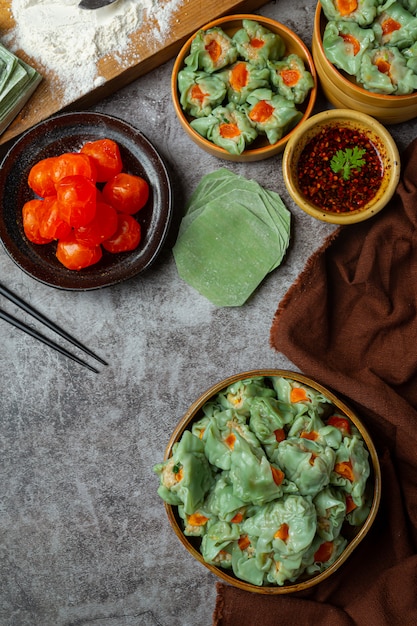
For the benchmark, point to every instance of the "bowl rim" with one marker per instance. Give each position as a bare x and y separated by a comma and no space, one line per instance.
253,154
387,99
354,117
192,413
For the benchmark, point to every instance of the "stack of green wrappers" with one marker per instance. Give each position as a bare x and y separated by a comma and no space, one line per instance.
18,81
234,232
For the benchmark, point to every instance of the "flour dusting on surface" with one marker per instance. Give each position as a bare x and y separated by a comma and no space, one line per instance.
67,42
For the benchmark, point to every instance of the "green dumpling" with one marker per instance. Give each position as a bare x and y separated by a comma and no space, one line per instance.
254,481
313,563
363,12
384,70
351,468
200,92
290,78
242,78
410,55
272,114
223,503
306,463
218,538
396,26
241,394
257,44
344,44
299,516
211,50
410,5
227,127
331,510
186,477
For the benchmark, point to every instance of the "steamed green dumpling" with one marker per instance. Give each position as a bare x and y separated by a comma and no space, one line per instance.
300,399
286,526
211,50
351,468
282,531
306,463
218,539
272,114
330,506
384,70
396,26
363,12
186,477
228,127
252,475
290,78
242,78
219,437
344,44
257,44
241,394
410,5
410,55
223,502
312,560
200,92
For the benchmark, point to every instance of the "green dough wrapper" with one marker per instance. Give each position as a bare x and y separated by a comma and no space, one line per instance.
225,253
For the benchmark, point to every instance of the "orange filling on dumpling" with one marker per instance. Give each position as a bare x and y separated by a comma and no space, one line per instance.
214,49
350,39
198,94
257,43
239,76
261,112
390,25
290,77
346,7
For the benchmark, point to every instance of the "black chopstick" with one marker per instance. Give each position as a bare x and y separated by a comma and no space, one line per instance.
37,335
50,324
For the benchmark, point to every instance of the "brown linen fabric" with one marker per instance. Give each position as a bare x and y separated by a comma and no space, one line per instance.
350,322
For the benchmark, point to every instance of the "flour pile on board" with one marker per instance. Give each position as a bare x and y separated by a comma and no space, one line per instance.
68,41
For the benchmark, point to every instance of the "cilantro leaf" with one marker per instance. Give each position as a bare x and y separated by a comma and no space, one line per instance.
345,161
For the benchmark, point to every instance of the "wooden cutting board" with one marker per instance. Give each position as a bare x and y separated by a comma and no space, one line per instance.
146,54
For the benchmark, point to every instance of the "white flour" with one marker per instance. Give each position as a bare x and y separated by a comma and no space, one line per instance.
68,41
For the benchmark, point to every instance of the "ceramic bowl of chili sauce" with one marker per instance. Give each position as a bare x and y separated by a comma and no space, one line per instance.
341,166
256,76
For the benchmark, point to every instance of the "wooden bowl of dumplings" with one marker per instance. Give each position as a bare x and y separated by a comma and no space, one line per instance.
241,442
241,84
353,60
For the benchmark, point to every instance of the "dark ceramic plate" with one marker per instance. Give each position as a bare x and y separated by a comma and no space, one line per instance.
66,133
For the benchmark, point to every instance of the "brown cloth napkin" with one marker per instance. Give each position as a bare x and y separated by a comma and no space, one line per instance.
350,322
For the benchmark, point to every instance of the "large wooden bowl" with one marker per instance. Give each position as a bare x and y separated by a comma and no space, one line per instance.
357,534
261,148
343,91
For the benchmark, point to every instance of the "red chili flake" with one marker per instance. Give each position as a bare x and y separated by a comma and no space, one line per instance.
328,190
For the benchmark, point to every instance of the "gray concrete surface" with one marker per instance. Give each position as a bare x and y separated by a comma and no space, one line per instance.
84,539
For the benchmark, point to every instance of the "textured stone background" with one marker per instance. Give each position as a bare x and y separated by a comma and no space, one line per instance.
84,538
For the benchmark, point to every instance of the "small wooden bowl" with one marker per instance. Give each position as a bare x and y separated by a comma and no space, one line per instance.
379,136
342,90
261,148
194,413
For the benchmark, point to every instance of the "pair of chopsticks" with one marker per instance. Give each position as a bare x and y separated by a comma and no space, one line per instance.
49,324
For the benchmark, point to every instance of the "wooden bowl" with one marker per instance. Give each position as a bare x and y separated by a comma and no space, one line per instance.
342,90
379,137
356,534
261,148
